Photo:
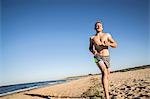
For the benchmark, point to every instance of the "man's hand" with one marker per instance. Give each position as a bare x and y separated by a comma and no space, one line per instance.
95,52
105,43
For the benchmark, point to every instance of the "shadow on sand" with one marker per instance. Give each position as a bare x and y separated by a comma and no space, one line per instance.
38,95
48,97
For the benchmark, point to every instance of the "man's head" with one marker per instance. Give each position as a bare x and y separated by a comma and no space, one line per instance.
98,26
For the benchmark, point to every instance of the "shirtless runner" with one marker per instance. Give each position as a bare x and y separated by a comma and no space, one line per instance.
99,44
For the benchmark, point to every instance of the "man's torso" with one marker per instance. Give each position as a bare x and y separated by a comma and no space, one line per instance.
101,49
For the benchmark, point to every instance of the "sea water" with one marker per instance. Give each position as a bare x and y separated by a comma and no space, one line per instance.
8,89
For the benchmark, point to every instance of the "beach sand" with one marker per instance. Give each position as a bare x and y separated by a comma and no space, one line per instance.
133,84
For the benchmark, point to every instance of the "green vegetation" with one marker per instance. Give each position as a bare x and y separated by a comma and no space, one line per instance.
133,68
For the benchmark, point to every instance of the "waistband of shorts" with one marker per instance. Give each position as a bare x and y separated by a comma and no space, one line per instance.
102,56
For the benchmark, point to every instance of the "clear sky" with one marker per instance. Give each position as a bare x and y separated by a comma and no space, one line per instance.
0,42
49,39
149,33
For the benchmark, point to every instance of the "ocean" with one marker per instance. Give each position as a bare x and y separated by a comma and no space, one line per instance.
8,89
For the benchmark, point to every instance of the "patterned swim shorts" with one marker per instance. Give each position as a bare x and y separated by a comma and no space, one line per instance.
105,59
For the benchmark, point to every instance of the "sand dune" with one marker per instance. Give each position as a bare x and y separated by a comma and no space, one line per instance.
130,85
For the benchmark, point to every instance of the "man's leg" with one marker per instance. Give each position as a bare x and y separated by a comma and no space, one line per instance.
105,77
108,73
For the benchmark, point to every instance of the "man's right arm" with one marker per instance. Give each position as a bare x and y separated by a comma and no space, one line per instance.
91,46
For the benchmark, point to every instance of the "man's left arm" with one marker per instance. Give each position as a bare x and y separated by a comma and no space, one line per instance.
112,43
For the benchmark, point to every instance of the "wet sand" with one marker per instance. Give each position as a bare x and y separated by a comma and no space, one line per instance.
133,84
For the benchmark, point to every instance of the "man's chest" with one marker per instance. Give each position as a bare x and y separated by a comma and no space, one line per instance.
101,38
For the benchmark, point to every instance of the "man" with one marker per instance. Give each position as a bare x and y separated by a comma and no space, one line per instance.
99,44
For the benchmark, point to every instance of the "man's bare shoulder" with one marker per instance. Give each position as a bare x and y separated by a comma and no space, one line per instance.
91,37
107,34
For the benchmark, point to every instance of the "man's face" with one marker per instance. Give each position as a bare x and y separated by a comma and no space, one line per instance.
99,27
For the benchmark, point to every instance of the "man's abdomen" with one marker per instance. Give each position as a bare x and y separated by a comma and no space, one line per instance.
103,52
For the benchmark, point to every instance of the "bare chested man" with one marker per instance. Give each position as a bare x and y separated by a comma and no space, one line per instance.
99,44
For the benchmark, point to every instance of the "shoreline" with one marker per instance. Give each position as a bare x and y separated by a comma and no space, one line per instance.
36,86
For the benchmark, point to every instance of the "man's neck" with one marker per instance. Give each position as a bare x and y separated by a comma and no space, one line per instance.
98,33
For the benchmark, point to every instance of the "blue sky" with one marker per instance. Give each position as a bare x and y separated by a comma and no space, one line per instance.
49,39
149,33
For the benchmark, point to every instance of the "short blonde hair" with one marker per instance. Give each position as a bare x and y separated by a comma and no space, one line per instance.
96,24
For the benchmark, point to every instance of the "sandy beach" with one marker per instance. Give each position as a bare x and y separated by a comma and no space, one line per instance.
133,84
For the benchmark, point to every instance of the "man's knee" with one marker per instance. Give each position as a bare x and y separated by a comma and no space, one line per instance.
108,71
105,72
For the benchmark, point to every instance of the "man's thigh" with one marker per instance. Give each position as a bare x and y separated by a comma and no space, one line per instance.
102,66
